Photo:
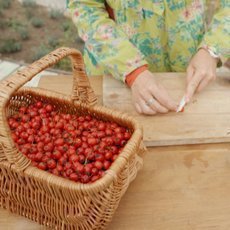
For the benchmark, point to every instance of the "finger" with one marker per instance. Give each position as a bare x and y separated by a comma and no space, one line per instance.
164,99
190,72
205,82
138,108
156,106
193,85
140,103
153,103
145,109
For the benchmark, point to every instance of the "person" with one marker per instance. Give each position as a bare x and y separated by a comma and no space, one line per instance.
131,40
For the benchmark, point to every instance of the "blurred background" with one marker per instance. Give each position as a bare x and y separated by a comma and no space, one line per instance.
29,29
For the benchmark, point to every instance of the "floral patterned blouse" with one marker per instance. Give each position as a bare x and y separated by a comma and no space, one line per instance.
164,34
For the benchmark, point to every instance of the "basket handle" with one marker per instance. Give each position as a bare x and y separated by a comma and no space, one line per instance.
81,92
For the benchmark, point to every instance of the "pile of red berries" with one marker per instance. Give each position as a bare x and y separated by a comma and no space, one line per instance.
80,148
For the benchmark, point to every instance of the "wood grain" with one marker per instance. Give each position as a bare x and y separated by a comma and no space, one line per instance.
179,188
205,119
63,84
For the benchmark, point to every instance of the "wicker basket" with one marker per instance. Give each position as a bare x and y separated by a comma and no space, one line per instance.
52,201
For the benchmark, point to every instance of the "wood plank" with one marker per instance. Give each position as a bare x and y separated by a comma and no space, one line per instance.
179,187
35,81
63,84
7,68
205,119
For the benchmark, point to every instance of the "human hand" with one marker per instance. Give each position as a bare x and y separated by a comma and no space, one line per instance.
200,72
149,96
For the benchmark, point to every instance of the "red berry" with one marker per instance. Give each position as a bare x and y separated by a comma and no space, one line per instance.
22,109
56,155
101,126
68,165
25,118
68,172
106,165
79,168
108,156
85,179
38,156
92,141
42,166
59,168
55,172
51,164
59,142
114,157
79,148
74,158
94,171
98,165
74,177
127,135
38,104
48,147
49,108
94,178
99,157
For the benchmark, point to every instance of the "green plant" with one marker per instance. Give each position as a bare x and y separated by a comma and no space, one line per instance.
37,22
1,11
3,24
14,24
41,51
53,42
55,14
5,4
10,46
78,40
29,13
29,3
64,64
66,25
23,32
70,35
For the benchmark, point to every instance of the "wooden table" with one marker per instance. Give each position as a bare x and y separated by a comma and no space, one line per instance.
179,187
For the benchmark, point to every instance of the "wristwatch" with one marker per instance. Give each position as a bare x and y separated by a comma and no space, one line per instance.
213,54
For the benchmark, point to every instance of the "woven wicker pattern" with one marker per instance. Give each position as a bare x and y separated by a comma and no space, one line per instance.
53,201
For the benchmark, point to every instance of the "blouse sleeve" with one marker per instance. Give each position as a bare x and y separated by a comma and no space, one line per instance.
217,38
106,44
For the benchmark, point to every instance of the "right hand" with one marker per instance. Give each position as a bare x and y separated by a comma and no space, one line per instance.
150,97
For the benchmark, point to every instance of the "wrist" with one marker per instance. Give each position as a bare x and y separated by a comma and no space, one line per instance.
131,77
142,79
213,54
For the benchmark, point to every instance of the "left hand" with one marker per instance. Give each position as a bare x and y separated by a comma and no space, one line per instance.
200,72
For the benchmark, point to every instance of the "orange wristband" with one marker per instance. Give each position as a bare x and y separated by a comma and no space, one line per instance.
131,77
